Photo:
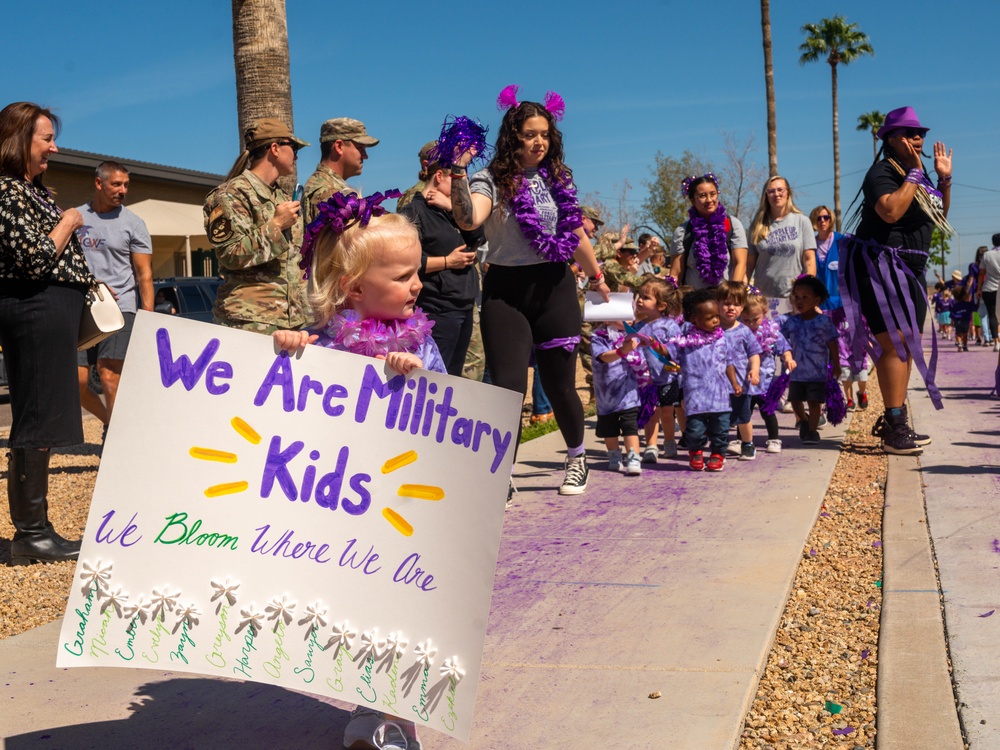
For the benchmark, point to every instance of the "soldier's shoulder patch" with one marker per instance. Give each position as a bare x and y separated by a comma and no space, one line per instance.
220,228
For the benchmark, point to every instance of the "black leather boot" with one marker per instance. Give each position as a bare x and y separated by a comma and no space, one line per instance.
27,492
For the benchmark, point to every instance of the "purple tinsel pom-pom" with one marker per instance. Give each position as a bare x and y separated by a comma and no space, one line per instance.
458,135
648,397
555,105
772,399
836,409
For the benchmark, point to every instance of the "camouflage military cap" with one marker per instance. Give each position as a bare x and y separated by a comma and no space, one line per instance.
345,129
593,214
425,151
267,130
630,245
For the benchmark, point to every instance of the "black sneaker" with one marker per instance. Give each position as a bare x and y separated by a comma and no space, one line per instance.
919,439
803,430
577,473
811,437
748,452
862,401
897,440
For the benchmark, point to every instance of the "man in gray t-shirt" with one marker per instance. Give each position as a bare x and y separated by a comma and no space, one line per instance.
119,253
989,284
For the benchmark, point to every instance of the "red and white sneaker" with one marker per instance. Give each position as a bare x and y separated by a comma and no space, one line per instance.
696,461
715,462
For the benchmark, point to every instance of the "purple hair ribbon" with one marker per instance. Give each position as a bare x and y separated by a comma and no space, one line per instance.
836,409
886,269
555,105
568,343
772,399
458,135
508,97
338,213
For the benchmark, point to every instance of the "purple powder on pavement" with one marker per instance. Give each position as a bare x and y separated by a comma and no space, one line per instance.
996,546
987,614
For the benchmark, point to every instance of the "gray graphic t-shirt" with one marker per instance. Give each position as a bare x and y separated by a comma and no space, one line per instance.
108,240
779,255
507,245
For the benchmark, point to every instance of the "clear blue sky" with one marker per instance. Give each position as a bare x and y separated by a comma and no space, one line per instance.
155,82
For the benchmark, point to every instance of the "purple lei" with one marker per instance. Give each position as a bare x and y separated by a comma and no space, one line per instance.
558,247
711,251
376,338
766,334
695,338
635,359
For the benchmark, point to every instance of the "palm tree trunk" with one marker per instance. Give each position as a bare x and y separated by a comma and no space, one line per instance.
772,116
260,51
836,148
874,145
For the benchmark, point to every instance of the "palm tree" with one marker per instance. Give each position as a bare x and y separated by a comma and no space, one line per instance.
838,42
260,50
772,116
872,121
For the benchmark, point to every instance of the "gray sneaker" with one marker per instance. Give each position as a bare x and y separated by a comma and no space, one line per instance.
650,455
614,460
669,448
633,466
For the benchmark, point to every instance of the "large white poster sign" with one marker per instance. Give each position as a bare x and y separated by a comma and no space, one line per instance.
313,521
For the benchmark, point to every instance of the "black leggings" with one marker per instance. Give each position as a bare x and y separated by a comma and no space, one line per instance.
770,420
528,305
990,298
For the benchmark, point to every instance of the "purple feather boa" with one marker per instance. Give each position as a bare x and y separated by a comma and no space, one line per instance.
458,135
558,247
648,401
711,251
836,409
772,399
767,334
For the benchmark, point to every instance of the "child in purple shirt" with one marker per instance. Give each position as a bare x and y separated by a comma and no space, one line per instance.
766,330
813,338
656,307
709,377
732,297
617,367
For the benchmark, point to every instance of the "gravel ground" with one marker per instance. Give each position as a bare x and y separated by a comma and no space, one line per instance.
33,595
818,689
820,675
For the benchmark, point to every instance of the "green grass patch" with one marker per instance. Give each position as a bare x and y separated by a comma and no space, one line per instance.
533,431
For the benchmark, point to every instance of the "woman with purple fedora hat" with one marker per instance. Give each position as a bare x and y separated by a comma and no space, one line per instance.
882,277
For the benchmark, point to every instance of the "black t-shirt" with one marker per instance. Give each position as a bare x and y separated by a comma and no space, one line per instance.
911,232
452,289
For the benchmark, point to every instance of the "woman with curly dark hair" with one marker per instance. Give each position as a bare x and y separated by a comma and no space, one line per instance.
526,202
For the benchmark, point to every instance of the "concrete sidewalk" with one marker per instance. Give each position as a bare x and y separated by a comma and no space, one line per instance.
961,476
671,582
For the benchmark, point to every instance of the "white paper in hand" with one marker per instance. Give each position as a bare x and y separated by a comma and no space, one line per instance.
621,307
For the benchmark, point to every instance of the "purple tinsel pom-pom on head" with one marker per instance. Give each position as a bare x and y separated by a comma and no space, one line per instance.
555,105
508,97
458,135
836,409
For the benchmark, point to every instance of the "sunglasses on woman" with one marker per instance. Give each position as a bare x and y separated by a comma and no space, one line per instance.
823,218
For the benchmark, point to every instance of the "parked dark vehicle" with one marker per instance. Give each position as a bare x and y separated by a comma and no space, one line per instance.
191,296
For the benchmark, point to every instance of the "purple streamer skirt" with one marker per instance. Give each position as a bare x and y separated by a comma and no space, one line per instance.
869,268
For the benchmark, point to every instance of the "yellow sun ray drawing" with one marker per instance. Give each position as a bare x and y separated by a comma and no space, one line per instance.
248,433
416,491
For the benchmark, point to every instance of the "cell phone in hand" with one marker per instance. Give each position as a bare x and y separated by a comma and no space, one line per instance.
297,193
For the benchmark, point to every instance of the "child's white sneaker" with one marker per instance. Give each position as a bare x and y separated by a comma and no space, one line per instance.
774,446
650,454
734,447
614,460
669,448
633,465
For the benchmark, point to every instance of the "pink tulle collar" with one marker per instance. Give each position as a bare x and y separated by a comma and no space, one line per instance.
376,338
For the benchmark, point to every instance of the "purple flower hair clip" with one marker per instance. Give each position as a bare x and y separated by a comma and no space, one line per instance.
688,181
338,213
458,135
803,276
671,281
553,102
753,291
